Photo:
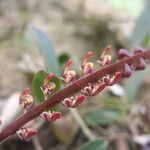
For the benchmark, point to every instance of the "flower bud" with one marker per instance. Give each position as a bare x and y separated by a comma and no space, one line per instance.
138,50
122,53
26,133
127,71
141,65
48,116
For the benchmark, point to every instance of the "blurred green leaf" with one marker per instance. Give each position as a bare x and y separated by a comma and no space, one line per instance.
134,83
142,26
105,116
47,50
63,58
146,41
99,144
37,83
127,6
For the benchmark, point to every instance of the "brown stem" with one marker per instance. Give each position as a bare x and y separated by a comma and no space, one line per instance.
68,90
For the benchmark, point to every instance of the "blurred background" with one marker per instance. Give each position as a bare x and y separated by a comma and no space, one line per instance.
37,35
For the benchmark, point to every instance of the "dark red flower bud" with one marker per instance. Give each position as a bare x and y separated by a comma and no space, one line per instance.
138,50
127,71
122,53
141,65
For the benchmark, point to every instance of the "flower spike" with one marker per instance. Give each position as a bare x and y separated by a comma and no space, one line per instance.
25,100
68,75
48,116
73,102
26,133
141,65
127,71
87,67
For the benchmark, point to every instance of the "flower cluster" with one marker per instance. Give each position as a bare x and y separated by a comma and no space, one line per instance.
128,68
91,89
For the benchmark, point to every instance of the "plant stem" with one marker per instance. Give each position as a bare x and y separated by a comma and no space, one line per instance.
69,90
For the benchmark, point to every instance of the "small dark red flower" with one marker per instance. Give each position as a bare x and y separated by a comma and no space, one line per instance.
25,100
92,90
116,78
68,75
26,133
73,102
103,58
48,116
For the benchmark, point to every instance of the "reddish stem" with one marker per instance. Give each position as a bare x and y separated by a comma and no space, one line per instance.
69,90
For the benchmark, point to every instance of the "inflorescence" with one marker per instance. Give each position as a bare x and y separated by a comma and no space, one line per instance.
69,76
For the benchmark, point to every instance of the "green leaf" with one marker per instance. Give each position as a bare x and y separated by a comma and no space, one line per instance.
146,41
142,26
99,144
37,83
63,58
105,116
134,83
47,50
